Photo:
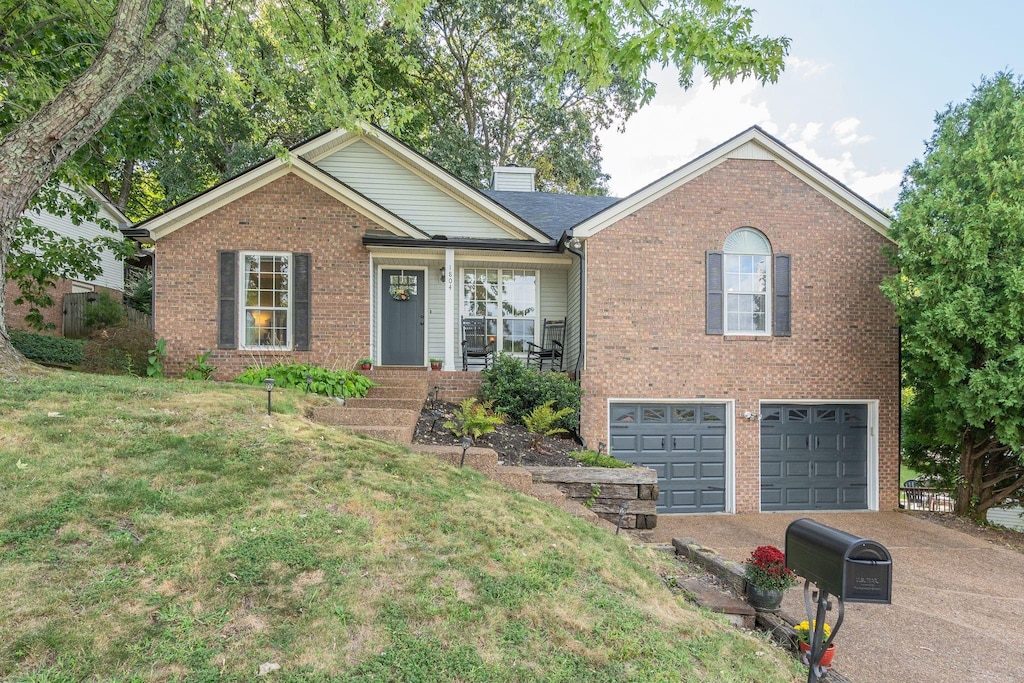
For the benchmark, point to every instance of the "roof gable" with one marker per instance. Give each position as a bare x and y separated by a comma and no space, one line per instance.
264,174
753,143
428,196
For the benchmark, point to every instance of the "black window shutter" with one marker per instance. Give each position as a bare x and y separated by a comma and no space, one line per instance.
300,300
227,293
781,304
715,293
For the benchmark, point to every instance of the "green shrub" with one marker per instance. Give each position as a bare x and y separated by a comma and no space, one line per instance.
43,348
517,390
343,383
104,312
201,370
155,362
122,350
594,459
542,420
474,419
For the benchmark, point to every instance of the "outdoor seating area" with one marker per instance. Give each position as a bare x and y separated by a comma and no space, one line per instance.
478,342
551,347
914,496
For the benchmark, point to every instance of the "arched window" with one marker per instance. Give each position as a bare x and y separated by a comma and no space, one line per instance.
746,266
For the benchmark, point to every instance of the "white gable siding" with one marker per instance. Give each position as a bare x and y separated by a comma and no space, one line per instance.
112,276
396,188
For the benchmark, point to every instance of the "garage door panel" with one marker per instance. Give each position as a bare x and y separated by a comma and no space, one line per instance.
814,457
624,443
687,444
653,444
684,443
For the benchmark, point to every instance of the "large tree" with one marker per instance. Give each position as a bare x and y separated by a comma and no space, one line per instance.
335,61
959,296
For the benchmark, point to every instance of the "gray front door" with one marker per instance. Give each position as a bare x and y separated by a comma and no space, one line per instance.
683,442
401,317
814,457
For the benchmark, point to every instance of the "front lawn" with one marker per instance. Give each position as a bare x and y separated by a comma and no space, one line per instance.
164,530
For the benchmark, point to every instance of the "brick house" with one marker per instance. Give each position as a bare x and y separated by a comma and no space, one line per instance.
109,281
725,322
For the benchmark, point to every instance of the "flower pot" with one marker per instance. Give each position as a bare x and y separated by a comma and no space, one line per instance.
365,366
436,366
764,599
826,658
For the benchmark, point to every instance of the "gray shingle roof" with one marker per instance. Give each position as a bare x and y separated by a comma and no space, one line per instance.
551,213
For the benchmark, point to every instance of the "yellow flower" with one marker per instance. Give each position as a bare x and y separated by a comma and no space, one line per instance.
804,629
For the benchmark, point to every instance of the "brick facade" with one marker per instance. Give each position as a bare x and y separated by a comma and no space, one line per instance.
286,215
15,315
645,334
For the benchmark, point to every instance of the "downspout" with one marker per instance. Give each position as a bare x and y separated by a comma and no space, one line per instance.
572,244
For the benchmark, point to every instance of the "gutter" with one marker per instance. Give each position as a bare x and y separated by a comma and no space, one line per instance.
478,244
566,243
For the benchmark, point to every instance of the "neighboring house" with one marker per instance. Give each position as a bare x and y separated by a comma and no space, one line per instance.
110,280
725,322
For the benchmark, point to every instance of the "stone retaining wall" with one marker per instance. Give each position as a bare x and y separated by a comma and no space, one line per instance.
604,490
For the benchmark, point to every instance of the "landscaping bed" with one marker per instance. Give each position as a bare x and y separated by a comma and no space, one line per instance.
513,444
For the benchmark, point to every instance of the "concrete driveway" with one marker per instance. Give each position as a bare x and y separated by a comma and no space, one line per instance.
957,612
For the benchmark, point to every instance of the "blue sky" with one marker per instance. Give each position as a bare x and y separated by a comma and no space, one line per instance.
862,85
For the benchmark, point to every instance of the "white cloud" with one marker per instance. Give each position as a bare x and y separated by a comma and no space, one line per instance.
845,131
679,125
806,68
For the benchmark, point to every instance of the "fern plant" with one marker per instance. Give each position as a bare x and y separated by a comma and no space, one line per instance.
542,421
474,419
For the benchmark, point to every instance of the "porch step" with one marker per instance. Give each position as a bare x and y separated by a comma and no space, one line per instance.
374,416
418,391
400,434
386,403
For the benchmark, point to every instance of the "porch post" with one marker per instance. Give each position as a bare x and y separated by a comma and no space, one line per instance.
449,309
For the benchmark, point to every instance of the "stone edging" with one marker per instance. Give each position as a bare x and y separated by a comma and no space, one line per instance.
778,627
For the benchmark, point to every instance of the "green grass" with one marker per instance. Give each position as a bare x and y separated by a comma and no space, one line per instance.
160,530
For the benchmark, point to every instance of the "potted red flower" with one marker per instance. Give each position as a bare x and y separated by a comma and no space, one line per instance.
767,578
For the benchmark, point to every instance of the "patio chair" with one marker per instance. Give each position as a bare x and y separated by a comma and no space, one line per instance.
550,349
915,496
477,342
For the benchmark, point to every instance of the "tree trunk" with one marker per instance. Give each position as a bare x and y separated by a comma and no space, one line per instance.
32,151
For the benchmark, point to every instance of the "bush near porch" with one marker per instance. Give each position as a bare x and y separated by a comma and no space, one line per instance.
516,390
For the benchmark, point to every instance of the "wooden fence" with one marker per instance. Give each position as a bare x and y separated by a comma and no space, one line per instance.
74,309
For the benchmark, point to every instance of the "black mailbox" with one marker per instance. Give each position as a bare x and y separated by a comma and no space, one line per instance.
853,569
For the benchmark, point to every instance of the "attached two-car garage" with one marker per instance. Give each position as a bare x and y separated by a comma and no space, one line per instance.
812,456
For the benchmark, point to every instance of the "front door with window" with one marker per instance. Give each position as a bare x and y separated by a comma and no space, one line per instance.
401,317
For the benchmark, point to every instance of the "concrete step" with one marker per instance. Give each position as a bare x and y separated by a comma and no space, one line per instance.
387,403
483,460
717,600
375,416
401,435
516,478
547,493
413,391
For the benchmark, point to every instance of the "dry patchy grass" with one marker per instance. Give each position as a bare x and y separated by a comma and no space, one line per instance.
161,530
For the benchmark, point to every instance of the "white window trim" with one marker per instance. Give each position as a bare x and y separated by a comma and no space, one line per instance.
769,286
241,300
537,319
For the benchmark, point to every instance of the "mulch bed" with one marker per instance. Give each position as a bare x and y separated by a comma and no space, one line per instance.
511,441
1008,538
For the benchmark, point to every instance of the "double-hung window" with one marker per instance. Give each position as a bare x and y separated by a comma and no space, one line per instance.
747,271
507,298
266,293
748,287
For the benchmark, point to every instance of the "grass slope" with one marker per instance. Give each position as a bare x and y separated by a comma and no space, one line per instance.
162,530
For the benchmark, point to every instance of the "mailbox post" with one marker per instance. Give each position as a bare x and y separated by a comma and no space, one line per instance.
850,568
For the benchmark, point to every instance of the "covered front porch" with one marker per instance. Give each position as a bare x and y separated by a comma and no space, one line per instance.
420,296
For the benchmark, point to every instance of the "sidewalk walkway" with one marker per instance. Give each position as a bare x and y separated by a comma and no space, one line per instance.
958,601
